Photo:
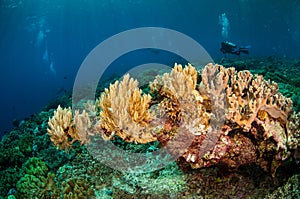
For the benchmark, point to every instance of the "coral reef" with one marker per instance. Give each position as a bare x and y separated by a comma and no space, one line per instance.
177,94
257,138
9,177
30,186
34,166
15,148
168,181
37,182
247,95
293,132
284,71
232,118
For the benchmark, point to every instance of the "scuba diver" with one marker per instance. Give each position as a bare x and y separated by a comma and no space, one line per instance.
231,48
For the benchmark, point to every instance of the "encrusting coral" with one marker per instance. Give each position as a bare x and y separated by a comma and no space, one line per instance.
233,118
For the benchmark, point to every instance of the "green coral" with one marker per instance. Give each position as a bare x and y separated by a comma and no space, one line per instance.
35,166
34,178
11,197
25,144
29,185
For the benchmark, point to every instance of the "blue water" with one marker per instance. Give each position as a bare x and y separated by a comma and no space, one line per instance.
44,42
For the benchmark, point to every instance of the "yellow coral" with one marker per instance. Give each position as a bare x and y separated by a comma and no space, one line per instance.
125,112
189,72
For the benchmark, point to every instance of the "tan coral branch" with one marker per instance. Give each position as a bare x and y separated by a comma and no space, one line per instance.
125,112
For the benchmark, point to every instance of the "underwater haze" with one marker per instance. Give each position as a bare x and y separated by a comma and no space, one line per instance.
44,42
